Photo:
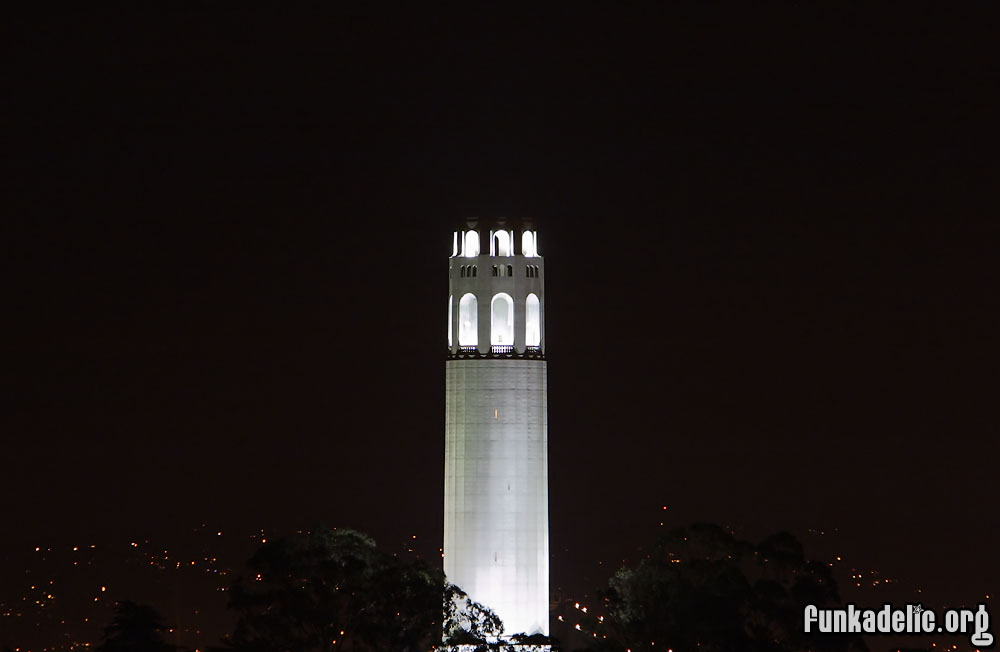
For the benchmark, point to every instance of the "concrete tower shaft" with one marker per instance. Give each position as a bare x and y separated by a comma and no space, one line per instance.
496,431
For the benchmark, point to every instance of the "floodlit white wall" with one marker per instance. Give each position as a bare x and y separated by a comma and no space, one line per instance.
468,320
532,322
496,542
451,300
502,319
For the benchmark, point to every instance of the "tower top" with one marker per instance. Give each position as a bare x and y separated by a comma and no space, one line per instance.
496,302
497,223
505,236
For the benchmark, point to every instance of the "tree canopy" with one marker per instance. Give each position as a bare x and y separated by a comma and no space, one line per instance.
335,590
703,589
700,589
135,628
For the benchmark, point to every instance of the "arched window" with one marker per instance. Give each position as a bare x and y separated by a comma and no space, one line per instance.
468,320
532,322
501,243
451,300
474,270
510,270
461,271
528,244
494,270
502,319
471,244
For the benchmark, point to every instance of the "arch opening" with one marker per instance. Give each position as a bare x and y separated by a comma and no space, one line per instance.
468,320
532,321
502,243
502,320
528,244
471,244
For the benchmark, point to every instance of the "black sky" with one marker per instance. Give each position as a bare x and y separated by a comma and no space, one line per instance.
770,239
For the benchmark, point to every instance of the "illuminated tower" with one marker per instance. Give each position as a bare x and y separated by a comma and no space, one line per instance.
496,515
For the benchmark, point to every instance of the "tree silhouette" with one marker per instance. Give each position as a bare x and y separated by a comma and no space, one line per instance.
135,628
702,589
334,590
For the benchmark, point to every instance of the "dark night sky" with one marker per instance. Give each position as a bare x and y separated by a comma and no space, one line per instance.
770,240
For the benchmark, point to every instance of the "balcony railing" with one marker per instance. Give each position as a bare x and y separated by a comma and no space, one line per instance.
497,351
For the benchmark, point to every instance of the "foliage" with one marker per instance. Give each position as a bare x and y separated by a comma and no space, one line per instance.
334,590
702,589
469,623
135,628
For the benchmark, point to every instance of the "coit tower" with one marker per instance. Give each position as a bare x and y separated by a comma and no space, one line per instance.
496,520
